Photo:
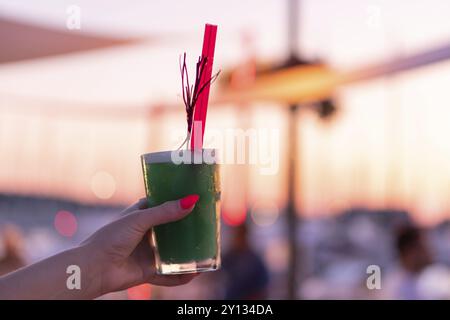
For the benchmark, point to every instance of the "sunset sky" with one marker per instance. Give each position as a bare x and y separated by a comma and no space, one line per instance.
74,126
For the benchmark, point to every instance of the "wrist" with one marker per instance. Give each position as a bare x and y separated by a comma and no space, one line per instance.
91,271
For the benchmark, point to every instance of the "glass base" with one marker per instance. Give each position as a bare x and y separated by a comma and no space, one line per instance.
188,267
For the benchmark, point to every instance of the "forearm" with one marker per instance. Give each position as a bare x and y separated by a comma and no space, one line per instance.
49,278
115,257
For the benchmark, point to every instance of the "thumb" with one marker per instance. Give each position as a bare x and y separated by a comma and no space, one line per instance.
143,220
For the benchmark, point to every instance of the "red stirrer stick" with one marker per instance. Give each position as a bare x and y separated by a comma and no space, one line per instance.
209,43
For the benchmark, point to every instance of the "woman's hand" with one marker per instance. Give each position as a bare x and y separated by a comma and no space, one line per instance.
120,253
115,257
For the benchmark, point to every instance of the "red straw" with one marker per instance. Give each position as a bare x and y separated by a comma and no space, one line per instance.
209,43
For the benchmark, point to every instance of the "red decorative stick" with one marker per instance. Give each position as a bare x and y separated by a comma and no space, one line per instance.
209,43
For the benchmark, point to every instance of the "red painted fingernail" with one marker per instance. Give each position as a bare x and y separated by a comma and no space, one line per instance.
189,201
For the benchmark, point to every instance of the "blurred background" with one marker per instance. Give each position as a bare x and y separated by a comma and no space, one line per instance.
358,91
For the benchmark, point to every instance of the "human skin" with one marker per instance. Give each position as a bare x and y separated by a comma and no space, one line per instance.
115,257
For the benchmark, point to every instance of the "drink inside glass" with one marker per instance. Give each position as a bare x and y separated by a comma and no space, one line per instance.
191,244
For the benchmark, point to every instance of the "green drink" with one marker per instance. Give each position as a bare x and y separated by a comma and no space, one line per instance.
191,244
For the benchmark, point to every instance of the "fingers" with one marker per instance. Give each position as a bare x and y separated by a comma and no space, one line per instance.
172,280
143,220
140,204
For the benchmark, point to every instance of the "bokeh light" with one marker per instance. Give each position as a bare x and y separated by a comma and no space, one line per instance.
103,185
434,282
234,218
141,292
264,213
65,223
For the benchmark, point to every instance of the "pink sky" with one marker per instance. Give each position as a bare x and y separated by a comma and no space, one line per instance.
386,146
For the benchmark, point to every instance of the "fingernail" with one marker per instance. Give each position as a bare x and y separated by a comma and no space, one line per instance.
189,201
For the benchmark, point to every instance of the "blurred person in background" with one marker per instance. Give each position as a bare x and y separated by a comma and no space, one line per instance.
414,256
11,253
246,274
